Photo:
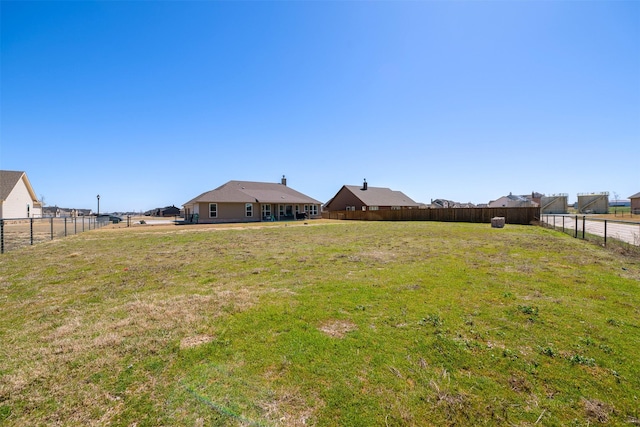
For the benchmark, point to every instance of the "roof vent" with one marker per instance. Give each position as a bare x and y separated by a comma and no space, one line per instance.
364,185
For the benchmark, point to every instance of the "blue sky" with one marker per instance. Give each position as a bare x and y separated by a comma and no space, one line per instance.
150,103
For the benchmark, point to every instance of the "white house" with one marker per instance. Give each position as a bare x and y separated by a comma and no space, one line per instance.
17,198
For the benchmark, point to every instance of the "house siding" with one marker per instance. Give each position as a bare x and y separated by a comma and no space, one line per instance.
343,199
236,212
15,206
635,205
227,212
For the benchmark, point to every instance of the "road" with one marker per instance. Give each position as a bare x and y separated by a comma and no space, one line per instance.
628,232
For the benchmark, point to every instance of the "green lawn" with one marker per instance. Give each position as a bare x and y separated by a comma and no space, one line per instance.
350,323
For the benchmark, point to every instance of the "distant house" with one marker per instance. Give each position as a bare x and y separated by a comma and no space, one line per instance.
166,211
619,203
56,212
513,201
169,211
246,201
17,198
355,197
443,203
635,203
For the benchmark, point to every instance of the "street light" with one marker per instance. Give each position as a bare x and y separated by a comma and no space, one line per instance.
98,196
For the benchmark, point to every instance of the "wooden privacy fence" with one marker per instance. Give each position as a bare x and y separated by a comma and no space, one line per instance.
525,216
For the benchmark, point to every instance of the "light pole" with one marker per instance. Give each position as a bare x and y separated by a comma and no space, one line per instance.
98,196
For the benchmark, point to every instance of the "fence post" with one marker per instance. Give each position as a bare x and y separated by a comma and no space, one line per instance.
563,223
554,222
31,230
51,224
65,226
1,236
584,223
575,234
75,225
605,232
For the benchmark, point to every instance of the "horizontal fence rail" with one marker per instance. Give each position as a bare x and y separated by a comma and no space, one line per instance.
596,229
523,216
19,232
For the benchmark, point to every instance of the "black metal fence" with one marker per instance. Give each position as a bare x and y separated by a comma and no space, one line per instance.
18,232
596,229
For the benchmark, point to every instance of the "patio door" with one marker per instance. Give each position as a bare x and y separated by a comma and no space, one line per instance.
266,212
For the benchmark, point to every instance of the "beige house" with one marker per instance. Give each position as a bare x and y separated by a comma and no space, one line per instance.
635,203
17,198
513,201
355,197
246,201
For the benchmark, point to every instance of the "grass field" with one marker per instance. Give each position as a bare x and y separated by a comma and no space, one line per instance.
325,324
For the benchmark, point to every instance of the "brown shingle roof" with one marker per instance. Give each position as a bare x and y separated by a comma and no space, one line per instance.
635,196
379,196
253,192
8,181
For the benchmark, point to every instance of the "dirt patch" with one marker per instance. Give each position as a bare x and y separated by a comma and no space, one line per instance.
337,328
597,410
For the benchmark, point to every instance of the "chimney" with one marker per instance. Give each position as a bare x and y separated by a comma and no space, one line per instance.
364,185
283,181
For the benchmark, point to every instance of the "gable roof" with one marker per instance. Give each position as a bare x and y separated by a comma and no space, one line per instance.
253,192
635,196
9,180
379,196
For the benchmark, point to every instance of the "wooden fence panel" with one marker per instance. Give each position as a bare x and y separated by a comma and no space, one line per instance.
523,216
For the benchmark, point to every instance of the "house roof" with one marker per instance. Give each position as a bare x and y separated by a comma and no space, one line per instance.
252,192
379,196
8,181
635,196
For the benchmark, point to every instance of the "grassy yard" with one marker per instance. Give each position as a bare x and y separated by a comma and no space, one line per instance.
350,323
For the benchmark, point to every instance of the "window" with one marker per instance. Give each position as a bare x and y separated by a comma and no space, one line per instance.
213,210
281,210
313,210
395,208
248,209
266,211
374,208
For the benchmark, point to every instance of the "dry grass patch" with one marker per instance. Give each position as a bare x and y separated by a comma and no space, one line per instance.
290,408
337,328
194,341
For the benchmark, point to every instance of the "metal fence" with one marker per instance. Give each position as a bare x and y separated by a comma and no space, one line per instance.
595,229
18,232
